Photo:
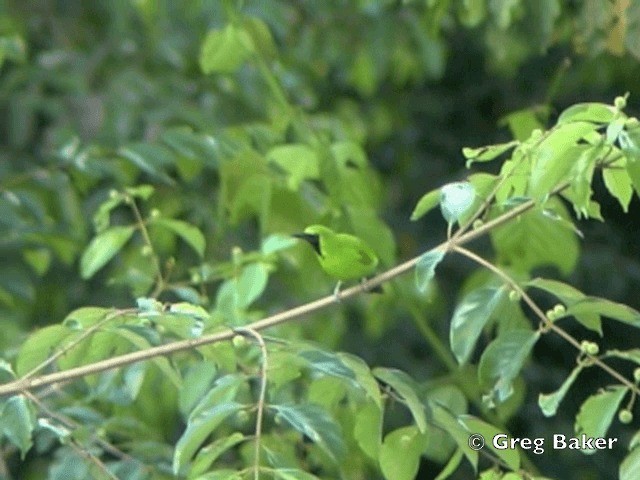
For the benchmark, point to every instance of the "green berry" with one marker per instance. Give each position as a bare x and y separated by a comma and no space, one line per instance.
514,296
636,374
625,416
590,348
238,341
559,310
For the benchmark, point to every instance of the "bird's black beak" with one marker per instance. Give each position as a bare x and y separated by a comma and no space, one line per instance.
314,240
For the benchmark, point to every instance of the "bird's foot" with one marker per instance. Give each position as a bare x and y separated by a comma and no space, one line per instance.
366,288
336,292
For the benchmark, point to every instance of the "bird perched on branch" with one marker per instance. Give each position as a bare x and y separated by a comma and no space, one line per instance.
342,256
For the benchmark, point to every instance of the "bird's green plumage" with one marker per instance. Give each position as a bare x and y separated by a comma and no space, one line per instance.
341,255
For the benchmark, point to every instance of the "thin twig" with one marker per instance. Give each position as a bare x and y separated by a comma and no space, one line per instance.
88,332
271,321
548,324
72,424
147,240
261,397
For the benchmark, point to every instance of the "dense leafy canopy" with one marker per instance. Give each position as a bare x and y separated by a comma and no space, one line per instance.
157,156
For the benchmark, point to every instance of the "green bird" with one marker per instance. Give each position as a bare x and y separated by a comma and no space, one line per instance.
341,255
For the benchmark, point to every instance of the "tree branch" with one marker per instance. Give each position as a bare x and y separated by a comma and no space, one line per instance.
23,384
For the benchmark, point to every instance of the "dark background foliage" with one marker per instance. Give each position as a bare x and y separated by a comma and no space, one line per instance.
89,89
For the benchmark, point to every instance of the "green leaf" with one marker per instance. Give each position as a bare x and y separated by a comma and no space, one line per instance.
140,343
103,248
618,183
426,203
251,283
523,122
199,427
195,311
451,466
39,346
455,200
364,378
101,217
630,466
597,412
17,421
223,51
469,319
535,241
555,156
550,402
605,308
400,453
189,233
260,35
449,423
426,268
6,372
12,47
485,154
85,317
276,242
503,359
151,159
509,456
197,381
140,191
39,259
406,389
293,474
299,161
224,474
569,296
205,458
588,112
368,429
327,363
472,12
314,422
632,355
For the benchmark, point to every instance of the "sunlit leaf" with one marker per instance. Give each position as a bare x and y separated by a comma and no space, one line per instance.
619,185
427,202
474,425
316,424
189,233
103,248
400,453
207,455
550,402
588,112
406,389
485,154
503,359
426,268
597,412
199,427
17,422
223,51
469,319
630,466
455,200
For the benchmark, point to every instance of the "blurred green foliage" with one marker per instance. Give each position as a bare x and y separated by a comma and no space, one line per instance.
223,127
